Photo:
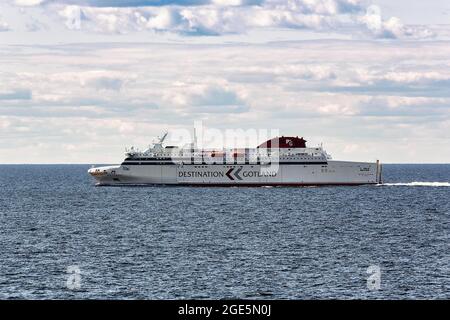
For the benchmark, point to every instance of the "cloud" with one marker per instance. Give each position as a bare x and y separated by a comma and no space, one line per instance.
386,106
17,94
391,28
115,94
414,83
107,83
4,26
28,3
221,17
137,3
165,19
205,98
34,25
61,94
337,109
412,77
309,72
215,96
318,7
405,106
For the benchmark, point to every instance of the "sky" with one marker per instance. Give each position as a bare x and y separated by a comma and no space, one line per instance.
81,80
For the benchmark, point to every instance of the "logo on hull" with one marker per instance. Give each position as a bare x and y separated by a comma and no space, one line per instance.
236,174
233,174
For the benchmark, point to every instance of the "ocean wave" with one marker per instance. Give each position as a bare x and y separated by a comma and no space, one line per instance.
418,184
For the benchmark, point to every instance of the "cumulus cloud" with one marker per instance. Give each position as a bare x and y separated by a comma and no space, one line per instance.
116,94
391,27
372,19
219,17
320,7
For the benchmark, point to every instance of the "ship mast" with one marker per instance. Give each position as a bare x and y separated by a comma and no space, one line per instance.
194,143
158,145
161,140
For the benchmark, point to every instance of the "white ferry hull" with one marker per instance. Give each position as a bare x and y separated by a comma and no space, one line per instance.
331,173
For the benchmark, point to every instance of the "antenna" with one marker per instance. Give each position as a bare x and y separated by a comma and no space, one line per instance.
163,137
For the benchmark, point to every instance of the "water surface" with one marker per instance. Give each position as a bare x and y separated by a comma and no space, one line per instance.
183,242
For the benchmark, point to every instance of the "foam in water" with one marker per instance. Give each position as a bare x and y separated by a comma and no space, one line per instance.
418,184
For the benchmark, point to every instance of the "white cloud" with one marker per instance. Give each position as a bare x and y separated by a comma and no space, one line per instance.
4,26
310,72
234,16
404,79
418,77
226,3
34,25
101,97
397,102
27,3
212,96
95,98
222,17
164,19
391,27
337,109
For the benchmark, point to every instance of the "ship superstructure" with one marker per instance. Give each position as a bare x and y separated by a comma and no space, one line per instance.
276,162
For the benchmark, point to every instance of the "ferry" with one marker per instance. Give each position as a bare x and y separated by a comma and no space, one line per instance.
280,161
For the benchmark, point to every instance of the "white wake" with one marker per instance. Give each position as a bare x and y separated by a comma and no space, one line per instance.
418,184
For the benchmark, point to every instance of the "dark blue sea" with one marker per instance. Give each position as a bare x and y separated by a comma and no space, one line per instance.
61,237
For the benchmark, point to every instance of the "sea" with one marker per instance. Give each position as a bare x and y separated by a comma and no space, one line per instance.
62,237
